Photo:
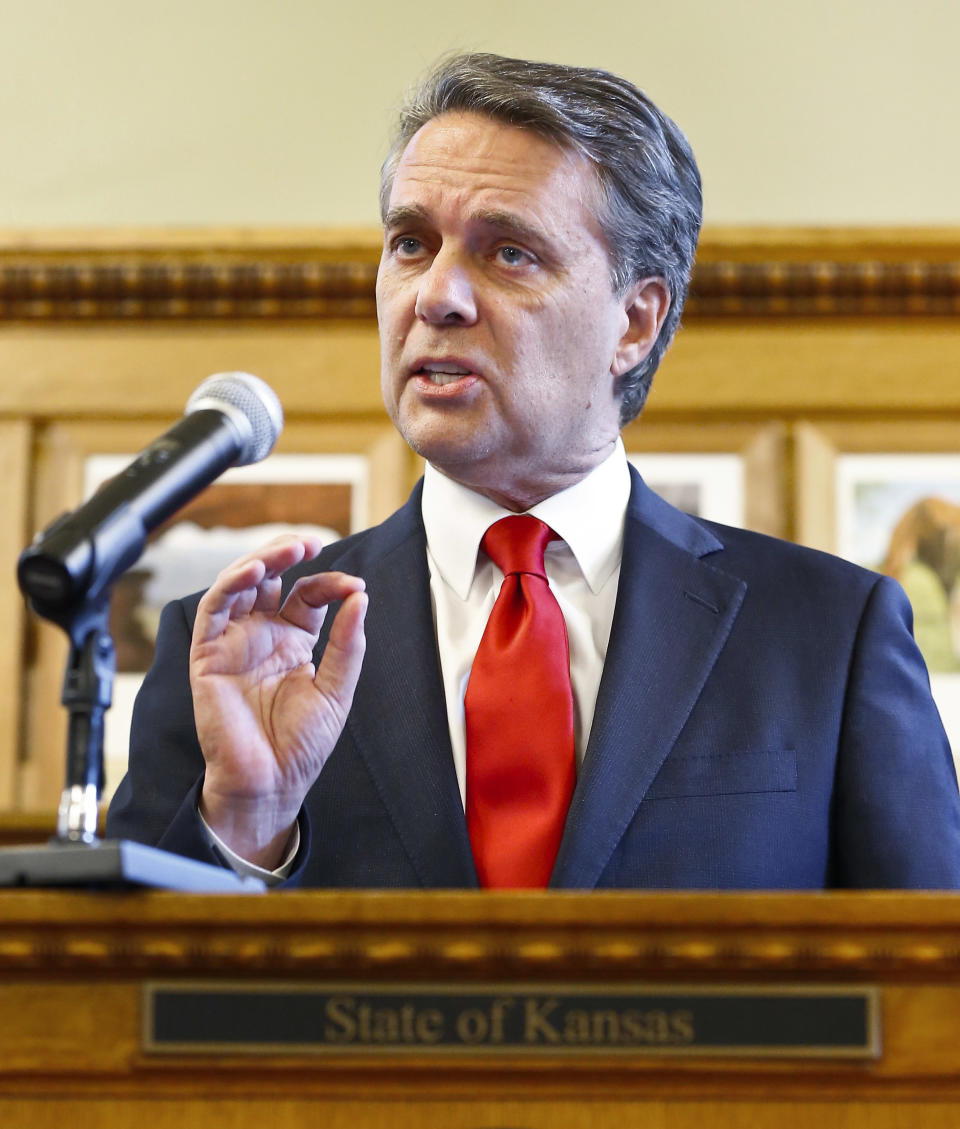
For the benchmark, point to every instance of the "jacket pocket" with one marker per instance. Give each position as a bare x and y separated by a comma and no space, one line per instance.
726,774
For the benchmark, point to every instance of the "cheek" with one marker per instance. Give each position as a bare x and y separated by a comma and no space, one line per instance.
391,310
385,320
392,331
583,344
380,293
547,330
388,392
599,335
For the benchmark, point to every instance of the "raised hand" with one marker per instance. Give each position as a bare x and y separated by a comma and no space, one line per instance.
266,719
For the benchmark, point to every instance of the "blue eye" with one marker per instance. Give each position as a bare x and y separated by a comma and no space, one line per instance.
406,245
512,255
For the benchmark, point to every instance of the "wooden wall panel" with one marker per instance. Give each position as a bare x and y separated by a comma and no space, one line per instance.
15,435
791,338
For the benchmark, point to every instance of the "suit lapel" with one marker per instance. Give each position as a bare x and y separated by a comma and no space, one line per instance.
402,733
673,615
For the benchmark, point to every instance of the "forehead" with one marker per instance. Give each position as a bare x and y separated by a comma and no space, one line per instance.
462,159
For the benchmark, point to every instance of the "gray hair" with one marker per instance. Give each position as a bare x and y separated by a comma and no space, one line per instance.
650,204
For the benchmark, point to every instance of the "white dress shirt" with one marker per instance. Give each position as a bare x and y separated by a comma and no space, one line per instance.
583,570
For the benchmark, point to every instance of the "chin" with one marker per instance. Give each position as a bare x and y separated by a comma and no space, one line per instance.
443,444
453,460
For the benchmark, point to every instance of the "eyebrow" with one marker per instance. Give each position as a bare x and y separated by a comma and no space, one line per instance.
511,224
506,222
405,213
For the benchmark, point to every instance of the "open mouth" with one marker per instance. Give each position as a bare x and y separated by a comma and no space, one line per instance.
443,372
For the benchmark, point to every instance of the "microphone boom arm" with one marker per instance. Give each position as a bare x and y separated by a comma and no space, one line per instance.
68,572
81,553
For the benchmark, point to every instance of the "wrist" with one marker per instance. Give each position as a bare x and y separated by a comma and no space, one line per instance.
256,829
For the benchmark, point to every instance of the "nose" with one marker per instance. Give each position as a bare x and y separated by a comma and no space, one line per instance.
446,294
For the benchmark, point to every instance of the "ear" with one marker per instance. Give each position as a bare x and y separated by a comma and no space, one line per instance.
645,304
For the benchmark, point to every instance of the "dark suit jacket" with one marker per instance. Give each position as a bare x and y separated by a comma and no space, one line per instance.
764,720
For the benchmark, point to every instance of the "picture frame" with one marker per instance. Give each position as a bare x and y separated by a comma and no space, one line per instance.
15,451
888,498
334,479
729,472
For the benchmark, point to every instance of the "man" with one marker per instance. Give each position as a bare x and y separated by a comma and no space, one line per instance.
742,712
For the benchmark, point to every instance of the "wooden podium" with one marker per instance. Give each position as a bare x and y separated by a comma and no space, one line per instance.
469,1011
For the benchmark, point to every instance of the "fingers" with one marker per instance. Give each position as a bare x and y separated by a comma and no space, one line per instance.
306,604
251,583
339,668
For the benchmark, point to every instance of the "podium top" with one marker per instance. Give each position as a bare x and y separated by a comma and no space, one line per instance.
593,935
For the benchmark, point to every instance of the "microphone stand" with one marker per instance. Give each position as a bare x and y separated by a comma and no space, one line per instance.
87,694
76,856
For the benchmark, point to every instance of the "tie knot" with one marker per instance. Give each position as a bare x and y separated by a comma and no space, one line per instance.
516,544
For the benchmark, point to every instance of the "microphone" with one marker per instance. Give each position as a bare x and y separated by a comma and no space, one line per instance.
232,419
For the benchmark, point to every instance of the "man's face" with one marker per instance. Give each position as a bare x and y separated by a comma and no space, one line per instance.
501,336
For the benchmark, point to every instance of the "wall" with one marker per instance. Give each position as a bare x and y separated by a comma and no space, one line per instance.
216,117
244,112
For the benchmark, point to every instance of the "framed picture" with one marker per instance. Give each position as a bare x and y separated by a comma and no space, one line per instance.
898,512
359,474
247,506
710,486
726,472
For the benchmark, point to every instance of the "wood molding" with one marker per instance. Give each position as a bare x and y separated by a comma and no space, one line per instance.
592,936
229,274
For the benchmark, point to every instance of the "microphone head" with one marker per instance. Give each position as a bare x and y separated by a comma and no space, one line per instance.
250,404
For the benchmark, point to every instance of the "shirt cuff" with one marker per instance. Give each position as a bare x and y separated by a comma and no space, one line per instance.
249,869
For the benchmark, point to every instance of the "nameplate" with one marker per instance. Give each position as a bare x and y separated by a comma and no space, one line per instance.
536,1020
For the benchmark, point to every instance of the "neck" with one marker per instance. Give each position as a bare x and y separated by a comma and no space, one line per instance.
519,494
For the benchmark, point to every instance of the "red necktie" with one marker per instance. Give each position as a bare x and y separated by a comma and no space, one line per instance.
519,714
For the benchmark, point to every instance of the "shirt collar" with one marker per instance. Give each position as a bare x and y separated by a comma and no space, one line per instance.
588,516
